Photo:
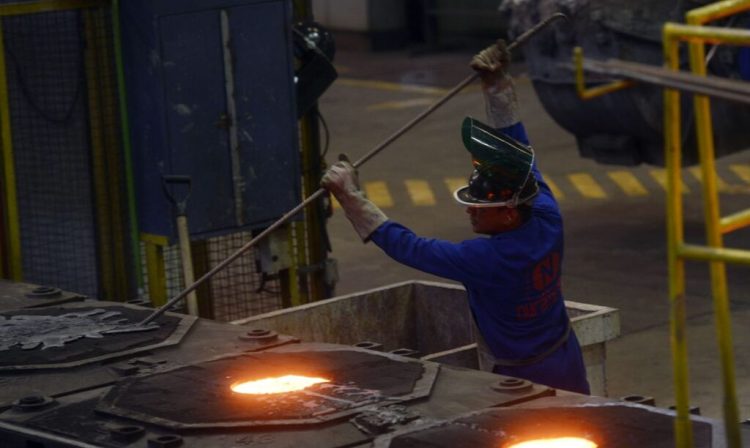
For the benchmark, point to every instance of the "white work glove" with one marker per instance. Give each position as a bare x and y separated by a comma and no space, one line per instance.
500,100
341,180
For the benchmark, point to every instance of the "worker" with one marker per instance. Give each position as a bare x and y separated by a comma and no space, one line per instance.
512,276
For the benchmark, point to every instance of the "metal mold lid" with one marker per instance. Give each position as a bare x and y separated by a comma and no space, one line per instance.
609,424
80,334
200,395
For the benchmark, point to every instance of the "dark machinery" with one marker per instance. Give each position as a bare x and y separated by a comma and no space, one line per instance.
623,127
197,383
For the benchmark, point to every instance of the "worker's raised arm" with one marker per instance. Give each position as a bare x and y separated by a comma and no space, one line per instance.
501,103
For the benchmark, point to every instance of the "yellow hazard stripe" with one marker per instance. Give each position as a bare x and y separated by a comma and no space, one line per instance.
587,186
660,176
390,105
391,86
377,192
742,171
454,183
556,191
419,192
721,185
628,183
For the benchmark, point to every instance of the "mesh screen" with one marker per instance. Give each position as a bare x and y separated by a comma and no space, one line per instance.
47,94
237,291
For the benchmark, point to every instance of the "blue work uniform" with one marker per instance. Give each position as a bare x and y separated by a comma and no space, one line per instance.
513,285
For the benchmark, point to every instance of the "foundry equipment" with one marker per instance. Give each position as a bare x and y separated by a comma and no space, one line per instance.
192,382
624,128
101,100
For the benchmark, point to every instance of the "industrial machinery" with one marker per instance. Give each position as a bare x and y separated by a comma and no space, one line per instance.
76,374
625,127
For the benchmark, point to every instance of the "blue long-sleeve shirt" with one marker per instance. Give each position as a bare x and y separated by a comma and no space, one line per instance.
513,285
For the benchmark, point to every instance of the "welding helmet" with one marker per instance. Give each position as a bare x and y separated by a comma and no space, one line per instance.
502,174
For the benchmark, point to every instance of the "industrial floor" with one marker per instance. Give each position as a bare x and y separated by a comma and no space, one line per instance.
615,243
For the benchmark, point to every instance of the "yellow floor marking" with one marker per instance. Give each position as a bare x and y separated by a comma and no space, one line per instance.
454,183
391,86
556,191
377,192
660,176
342,69
587,186
628,183
721,184
420,192
742,171
416,102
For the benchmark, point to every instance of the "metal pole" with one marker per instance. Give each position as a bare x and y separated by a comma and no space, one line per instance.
372,153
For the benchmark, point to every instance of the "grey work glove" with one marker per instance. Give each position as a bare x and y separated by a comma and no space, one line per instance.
501,103
341,180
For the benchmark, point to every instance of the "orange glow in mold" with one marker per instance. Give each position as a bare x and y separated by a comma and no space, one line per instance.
277,385
558,442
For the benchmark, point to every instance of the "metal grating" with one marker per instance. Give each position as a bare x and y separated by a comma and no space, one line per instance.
46,85
240,290
66,145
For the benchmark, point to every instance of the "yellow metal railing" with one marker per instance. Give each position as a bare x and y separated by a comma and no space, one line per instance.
713,252
588,93
696,35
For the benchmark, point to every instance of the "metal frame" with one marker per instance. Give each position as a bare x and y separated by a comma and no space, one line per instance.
696,35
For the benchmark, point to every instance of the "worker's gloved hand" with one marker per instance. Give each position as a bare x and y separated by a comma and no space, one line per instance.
341,180
501,103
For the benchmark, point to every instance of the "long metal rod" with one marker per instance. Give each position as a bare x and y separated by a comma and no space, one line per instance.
372,153
714,86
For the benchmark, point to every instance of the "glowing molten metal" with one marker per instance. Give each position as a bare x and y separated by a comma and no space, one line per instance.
278,385
561,442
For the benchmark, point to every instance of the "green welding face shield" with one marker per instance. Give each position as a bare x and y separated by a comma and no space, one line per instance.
502,168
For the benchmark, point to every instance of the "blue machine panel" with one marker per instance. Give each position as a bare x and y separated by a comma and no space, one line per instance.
177,79
195,99
259,94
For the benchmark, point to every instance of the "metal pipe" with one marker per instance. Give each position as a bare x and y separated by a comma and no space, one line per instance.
372,153
714,86
703,253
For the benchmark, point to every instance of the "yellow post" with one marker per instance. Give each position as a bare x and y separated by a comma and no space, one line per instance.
13,237
297,255
98,155
157,278
675,238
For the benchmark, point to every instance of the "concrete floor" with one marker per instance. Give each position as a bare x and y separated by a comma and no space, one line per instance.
615,247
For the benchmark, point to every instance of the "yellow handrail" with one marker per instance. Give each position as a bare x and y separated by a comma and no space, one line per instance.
697,36
593,92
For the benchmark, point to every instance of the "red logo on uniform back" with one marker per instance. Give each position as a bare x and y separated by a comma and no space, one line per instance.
546,271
